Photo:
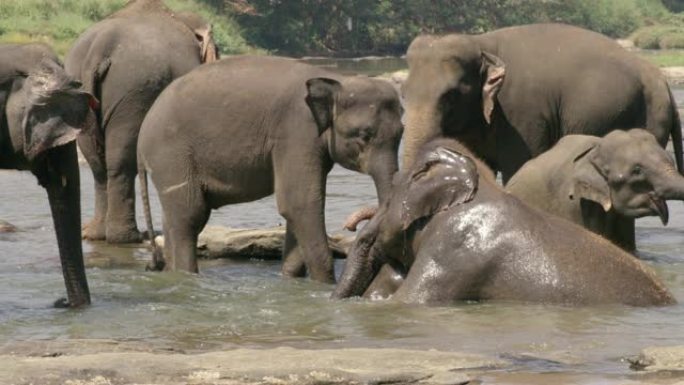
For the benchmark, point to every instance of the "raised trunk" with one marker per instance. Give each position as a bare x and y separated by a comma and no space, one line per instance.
422,124
62,184
363,263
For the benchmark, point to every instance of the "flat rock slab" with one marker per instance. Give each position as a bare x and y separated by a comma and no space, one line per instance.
249,366
224,242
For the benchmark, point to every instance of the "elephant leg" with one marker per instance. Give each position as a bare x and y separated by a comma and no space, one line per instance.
301,202
386,283
623,231
122,169
293,261
95,229
185,215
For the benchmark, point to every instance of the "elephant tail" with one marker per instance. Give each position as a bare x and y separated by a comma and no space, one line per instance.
157,255
676,134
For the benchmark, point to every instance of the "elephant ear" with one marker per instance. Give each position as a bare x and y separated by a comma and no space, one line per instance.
321,99
55,111
493,72
209,51
441,179
588,181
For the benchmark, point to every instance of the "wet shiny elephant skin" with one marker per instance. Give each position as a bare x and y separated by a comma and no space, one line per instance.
512,93
126,60
454,234
42,111
602,184
247,127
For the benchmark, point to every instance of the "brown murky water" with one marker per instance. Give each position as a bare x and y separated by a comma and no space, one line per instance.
248,304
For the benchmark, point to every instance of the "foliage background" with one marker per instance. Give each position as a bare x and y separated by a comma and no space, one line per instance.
354,27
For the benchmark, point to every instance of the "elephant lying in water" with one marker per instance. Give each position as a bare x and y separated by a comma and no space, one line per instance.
602,184
248,126
42,111
452,233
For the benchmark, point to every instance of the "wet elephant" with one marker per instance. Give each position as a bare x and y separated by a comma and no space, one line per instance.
512,93
451,233
602,184
42,111
126,60
246,127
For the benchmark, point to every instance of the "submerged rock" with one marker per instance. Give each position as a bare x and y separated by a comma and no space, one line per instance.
659,358
6,227
217,242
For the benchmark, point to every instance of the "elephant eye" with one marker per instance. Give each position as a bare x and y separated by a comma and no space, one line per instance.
636,170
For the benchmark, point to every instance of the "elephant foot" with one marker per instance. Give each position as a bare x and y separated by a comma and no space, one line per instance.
63,303
158,263
126,236
293,269
94,231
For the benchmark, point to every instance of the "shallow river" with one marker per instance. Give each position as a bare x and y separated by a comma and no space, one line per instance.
248,304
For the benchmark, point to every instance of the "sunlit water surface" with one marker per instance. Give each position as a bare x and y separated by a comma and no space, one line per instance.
248,303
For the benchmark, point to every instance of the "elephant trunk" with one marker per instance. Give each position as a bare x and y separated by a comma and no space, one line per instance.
673,187
382,168
363,262
61,179
422,124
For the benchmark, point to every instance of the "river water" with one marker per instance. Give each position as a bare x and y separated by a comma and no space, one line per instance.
247,303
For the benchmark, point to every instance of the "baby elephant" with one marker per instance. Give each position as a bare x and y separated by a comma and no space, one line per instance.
453,234
602,183
248,126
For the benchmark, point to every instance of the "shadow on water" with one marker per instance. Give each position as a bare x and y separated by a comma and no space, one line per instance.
248,304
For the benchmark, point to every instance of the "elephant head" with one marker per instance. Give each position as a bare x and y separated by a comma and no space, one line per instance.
196,23
360,118
451,89
440,178
45,112
628,171
203,32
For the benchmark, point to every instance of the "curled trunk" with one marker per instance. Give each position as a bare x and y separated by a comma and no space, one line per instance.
359,216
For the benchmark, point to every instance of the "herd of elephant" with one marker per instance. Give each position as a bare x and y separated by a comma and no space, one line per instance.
575,125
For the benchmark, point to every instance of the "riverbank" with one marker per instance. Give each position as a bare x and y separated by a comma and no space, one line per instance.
108,362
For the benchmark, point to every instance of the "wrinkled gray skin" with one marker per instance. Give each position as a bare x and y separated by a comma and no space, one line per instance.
246,127
602,184
512,93
126,60
41,113
453,234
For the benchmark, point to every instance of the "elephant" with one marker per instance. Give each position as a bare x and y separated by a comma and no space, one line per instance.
602,184
42,110
126,60
451,233
246,127
510,94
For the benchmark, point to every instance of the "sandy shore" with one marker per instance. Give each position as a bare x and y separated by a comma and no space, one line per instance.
105,362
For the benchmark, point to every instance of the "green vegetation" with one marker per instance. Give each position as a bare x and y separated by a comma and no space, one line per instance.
59,22
353,27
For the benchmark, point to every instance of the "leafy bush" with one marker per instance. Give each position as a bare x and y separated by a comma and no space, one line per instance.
659,36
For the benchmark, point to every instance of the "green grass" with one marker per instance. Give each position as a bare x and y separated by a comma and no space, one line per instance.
664,58
59,22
